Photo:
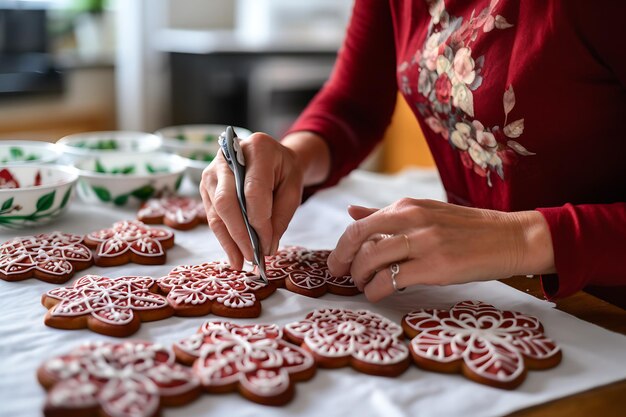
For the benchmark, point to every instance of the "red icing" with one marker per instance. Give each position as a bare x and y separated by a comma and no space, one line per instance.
130,235
306,269
51,253
255,357
211,282
491,342
177,210
110,300
123,379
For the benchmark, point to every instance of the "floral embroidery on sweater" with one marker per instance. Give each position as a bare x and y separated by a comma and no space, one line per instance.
448,76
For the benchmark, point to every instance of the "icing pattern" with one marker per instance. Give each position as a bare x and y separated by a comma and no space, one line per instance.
132,236
491,342
51,254
110,300
306,269
337,333
125,379
255,357
211,282
177,210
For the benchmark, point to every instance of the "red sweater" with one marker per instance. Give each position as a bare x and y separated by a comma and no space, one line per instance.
522,105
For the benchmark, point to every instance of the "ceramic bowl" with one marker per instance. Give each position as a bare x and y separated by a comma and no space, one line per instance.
197,143
19,152
92,144
129,178
34,194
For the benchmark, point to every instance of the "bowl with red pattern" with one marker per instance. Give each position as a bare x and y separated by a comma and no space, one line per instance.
31,195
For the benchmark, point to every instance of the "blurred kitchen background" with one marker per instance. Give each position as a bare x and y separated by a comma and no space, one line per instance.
70,66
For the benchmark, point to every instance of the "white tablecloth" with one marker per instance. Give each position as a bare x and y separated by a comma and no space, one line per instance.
591,356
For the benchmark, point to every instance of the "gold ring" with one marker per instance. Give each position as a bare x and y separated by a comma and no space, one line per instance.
395,270
408,246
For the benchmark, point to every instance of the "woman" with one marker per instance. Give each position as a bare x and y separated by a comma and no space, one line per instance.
522,105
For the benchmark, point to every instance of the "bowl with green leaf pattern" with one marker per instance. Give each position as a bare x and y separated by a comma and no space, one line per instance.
129,178
19,152
197,143
31,194
92,144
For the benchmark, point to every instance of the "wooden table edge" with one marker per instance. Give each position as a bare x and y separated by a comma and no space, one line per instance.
606,400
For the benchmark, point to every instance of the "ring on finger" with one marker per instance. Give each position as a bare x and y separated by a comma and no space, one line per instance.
395,270
408,245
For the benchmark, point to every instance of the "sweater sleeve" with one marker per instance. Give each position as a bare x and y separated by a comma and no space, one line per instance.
589,243
354,107
589,240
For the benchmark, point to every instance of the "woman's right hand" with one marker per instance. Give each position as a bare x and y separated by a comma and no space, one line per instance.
273,189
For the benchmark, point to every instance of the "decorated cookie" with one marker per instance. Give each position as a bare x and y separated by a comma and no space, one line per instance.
130,241
305,272
115,380
487,345
52,257
197,290
181,213
364,340
252,359
111,306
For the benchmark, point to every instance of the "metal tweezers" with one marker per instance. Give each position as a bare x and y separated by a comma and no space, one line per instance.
229,143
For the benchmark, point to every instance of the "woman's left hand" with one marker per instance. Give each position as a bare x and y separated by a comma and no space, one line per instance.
438,243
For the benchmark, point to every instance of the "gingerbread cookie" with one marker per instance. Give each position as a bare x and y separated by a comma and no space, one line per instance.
197,290
305,272
51,257
130,241
182,213
111,306
487,345
115,380
364,340
251,359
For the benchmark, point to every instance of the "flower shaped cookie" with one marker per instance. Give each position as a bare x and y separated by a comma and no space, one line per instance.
487,345
305,272
111,306
116,380
368,342
212,287
181,213
130,241
52,257
253,359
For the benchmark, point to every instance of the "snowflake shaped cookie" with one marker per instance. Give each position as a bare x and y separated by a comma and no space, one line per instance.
111,306
212,287
367,341
487,345
51,257
252,359
305,272
130,241
181,213
117,380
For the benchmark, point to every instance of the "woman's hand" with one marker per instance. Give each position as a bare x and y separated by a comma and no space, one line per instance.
273,190
439,244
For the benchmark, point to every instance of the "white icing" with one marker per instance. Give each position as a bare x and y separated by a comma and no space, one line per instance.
50,253
126,379
491,342
254,356
215,281
111,301
304,268
180,210
130,235
337,333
